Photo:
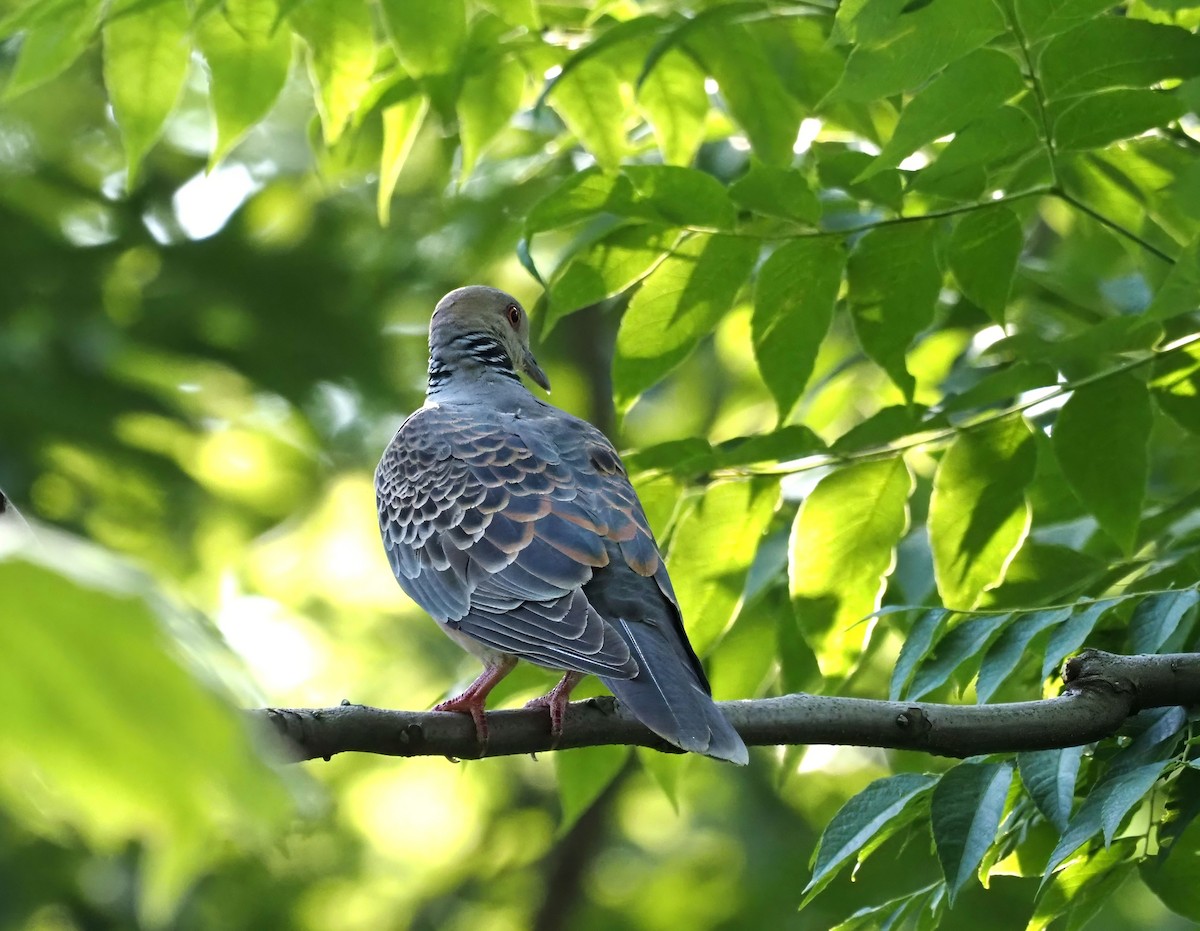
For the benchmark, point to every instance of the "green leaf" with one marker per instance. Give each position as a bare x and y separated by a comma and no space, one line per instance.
1157,618
843,168
1180,291
248,61
984,250
964,168
1083,888
842,549
428,37
978,514
957,646
1096,120
860,819
789,322
1073,633
915,648
486,104
583,774
1001,387
1104,809
677,305
580,197
1004,655
72,652
1116,51
591,102
1174,875
965,813
894,282
606,268
401,124
713,544
751,89
1049,777
146,55
675,103
1041,19
1175,386
681,196
341,58
51,46
1100,441
776,192
916,46
978,83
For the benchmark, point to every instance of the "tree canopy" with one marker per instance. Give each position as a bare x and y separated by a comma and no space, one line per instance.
892,306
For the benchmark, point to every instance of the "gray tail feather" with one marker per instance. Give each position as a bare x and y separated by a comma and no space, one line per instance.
667,697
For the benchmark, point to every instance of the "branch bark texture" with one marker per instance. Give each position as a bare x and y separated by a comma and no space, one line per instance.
1101,691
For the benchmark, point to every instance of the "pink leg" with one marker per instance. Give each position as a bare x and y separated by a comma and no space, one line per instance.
556,700
473,699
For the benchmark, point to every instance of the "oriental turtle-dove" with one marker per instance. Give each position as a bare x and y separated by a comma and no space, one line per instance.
515,526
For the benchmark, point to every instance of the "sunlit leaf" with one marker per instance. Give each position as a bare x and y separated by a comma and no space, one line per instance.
916,46
50,47
675,102
681,195
676,306
486,103
976,84
1049,777
842,549
427,37
1083,888
1098,119
751,89
591,101
1179,292
965,813
894,282
1041,19
71,652
401,123
1117,51
881,803
607,267
776,192
1100,441
789,322
248,61
983,255
978,514
714,542
583,774
341,58
146,55
1175,386
963,169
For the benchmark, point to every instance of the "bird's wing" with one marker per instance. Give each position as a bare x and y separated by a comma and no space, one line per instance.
494,528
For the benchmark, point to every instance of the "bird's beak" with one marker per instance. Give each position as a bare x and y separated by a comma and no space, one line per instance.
534,371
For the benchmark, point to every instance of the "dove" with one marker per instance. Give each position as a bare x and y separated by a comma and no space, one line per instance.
515,526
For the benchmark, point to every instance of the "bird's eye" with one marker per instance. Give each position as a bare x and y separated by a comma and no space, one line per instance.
514,315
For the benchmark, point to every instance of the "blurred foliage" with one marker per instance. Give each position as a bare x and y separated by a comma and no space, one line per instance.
897,303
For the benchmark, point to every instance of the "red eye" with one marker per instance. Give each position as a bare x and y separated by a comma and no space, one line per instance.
514,315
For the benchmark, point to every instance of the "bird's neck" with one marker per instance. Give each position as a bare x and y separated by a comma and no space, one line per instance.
471,363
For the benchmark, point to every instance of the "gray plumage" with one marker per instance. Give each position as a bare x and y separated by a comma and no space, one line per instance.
515,526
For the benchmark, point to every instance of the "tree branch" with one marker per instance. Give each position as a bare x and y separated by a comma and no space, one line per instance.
1102,690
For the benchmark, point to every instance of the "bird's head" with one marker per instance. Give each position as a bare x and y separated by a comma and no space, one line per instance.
476,321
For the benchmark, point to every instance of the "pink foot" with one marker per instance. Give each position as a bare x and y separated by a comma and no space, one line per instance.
556,700
473,700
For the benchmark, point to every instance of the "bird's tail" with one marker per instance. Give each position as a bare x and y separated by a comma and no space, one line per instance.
667,696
